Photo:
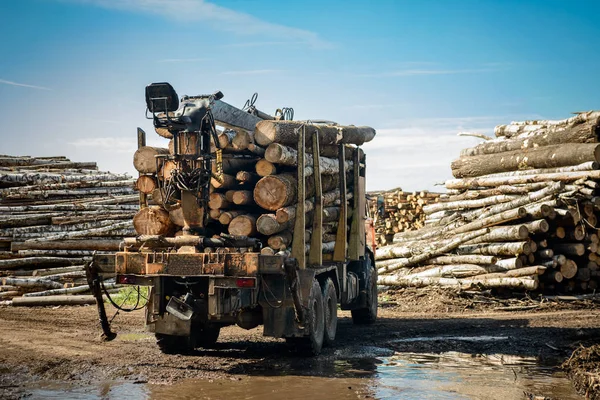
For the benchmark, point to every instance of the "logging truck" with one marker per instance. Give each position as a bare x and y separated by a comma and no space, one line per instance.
290,245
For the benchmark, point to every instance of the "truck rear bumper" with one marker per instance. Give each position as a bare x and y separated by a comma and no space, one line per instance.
187,264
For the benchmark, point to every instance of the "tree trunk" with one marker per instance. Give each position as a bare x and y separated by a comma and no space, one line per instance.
228,182
288,213
463,259
281,240
286,132
243,197
56,270
152,221
144,159
265,168
465,204
53,301
545,127
469,183
570,249
83,244
246,177
176,216
85,233
226,216
242,139
518,283
36,261
32,283
146,184
217,200
499,190
503,234
434,250
267,224
583,133
243,225
277,191
569,269
279,154
550,190
496,249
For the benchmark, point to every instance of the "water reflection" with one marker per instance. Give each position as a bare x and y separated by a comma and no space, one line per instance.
449,375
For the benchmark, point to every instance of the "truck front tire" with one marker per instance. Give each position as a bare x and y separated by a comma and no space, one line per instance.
368,315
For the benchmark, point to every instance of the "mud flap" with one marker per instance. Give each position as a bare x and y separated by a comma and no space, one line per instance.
280,317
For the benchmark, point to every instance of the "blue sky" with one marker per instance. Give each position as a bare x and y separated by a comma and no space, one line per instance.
73,72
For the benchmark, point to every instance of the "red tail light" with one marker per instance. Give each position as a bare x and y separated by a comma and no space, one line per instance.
124,280
245,282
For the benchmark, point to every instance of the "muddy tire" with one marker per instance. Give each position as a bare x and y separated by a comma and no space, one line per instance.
368,315
206,335
170,344
312,343
330,309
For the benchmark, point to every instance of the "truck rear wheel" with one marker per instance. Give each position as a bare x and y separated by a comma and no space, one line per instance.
330,311
312,343
171,344
368,315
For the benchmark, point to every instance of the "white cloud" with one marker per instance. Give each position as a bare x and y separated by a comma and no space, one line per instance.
416,154
114,144
217,17
11,83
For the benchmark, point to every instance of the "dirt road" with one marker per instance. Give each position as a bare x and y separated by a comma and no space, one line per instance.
64,343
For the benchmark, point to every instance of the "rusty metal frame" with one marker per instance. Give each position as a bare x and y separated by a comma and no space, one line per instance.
299,238
340,250
141,142
315,256
356,248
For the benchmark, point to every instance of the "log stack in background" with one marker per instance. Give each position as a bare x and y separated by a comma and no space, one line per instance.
54,214
395,211
522,213
257,196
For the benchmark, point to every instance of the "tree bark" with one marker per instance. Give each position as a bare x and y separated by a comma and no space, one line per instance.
243,225
281,240
517,283
503,234
32,283
243,197
286,132
435,249
279,154
570,249
226,216
146,184
478,182
36,261
152,221
288,213
144,159
265,168
569,269
267,224
582,133
247,177
218,200
496,249
463,259
53,301
466,204
277,191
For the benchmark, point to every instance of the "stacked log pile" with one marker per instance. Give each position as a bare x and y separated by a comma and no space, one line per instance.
54,214
395,211
522,213
257,195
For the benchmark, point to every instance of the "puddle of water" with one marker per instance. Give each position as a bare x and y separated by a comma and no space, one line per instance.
455,338
450,375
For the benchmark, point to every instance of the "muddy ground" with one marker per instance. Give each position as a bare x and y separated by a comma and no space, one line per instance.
63,343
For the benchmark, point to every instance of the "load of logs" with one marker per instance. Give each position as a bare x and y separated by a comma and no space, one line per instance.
395,211
256,196
522,213
54,214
